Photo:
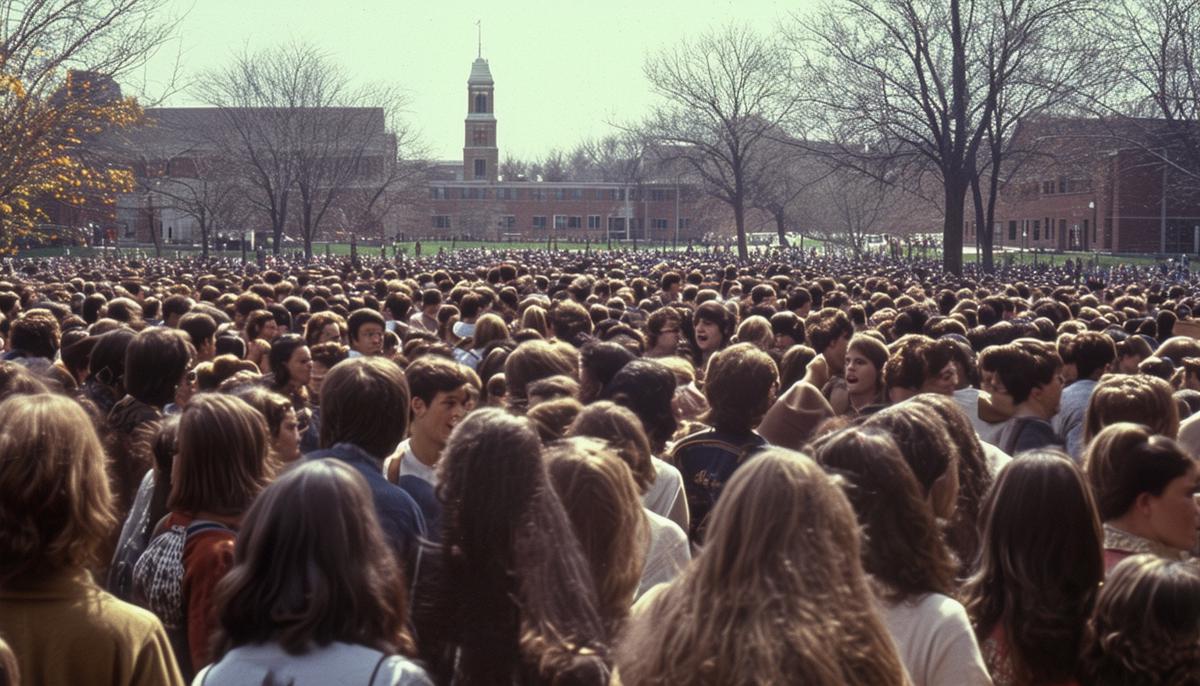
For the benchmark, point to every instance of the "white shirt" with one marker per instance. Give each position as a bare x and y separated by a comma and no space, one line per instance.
666,490
337,663
935,641
968,400
667,553
409,464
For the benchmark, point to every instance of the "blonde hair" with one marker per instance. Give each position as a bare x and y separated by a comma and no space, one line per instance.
777,595
602,501
57,507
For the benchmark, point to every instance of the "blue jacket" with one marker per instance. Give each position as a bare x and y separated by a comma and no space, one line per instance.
707,460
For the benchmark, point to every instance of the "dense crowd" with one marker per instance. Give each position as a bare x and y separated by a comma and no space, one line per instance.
539,467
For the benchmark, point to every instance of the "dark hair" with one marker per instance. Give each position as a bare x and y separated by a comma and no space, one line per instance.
312,568
646,387
1038,582
826,326
35,333
599,362
365,401
1092,351
282,349
360,317
923,442
623,431
740,386
107,362
1025,364
222,462
1125,460
429,375
155,361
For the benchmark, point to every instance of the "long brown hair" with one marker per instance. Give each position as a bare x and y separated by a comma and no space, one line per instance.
312,567
223,459
622,429
1040,565
777,595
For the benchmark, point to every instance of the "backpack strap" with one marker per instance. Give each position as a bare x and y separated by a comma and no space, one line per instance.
375,672
200,526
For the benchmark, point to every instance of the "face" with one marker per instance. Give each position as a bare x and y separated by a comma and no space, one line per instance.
708,336
269,330
331,332
945,382
287,439
316,378
861,374
783,342
1175,514
990,383
668,338
1050,393
369,340
186,389
442,414
1128,364
300,365
835,354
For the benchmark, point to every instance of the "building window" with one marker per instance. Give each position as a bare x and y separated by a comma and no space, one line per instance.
684,222
508,221
594,220
441,221
577,194
480,102
659,224
437,192
480,168
537,194
574,222
560,194
1049,228
659,195
479,135
560,221
1012,231
1037,229
504,194
1062,184
539,222
1047,188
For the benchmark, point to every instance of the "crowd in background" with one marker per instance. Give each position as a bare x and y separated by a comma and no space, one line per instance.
538,467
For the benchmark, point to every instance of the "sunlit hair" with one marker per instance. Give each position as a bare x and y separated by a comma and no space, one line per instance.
516,585
1146,627
923,440
902,546
602,500
316,326
223,456
1040,565
1136,398
622,430
740,385
777,595
534,319
535,360
56,510
489,328
552,417
1126,460
312,567
271,405
756,330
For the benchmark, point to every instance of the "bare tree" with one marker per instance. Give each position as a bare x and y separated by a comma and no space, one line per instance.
722,94
787,181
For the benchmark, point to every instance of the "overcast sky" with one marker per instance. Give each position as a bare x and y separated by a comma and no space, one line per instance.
563,70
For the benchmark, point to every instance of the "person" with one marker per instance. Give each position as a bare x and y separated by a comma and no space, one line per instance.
1093,354
599,362
55,515
283,426
291,365
532,361
663,328
343,619
1146,626
325,327
425,318
1139,399
1145,486
861,384
740,385
489,329
712,329
1035,585
366,329
1030,372
911,567
223,461
777,594
828,331
364,414
514,600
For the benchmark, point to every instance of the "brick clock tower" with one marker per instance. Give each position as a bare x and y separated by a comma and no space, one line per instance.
480,154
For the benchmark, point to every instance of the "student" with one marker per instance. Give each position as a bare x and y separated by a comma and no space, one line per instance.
912,570
513,600
828,331
663,328
283,427
366,333
343,619
1093,353
712,329
1139,399
489,328
291,369
55,515
325,327
425,319
1036,583
740,386
861,384
1145,487
783,540
1030,371
1146,627
202,331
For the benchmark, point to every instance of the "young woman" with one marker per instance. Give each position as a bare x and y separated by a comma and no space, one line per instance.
292,367
1145,487
515,600
777,594
343,619
55,516
713,328
1035,584
325,327
663,332
912,569
283,425
862,383
489,329
1146,628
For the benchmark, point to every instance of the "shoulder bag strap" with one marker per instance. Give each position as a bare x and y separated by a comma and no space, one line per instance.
374,672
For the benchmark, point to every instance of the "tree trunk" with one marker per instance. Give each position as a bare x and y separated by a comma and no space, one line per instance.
983,239
779,226
952,227
739,219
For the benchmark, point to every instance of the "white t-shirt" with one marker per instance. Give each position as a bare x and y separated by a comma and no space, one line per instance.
668,552
968,400
337,663
409,464
935,641
666,490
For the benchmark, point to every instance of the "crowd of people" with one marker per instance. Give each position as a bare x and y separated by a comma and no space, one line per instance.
552,468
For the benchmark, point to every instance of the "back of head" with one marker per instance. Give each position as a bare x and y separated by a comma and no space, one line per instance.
740,385
623,431
923,441
222,462
155,361
1139,399
531,361
365,401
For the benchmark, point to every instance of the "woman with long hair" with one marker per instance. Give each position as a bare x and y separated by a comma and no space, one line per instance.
515,600
910,566
55,516
291,369
1146,627
1040,567
777,594
314,597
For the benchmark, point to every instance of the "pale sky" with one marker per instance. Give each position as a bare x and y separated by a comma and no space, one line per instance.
563,69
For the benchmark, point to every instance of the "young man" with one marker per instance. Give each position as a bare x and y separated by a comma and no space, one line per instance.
366,333
202,330
425,319
1030,372
441,397
828,331
1093,353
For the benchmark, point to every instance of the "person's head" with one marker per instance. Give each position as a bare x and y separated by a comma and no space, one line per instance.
1130,353
1139,399
903,548
740,385
324,357
431,302
1031,374
1093,354
1146,483
261,324
663,328
534,319
828,331
570,321
57,509
926,448
489,328
312,567
324,327
1146,627
291,361
366,327
156,360
283,427
647,388
365,401
1038,582
605,508
712,327
223,460
599,362
107,362
35,333
865,359
787,329
534,360
441,396
941,369
622,430
202,331
783,539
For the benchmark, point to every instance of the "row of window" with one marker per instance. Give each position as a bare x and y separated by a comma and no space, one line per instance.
1032,230
562,221
483,193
